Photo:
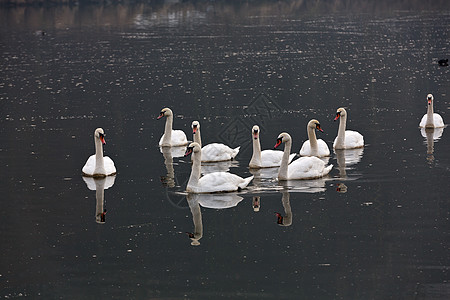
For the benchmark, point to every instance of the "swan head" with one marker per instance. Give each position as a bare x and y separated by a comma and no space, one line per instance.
282,138
430,99
255,132
193,147
315,125
165,112
341,112
100,134
195,126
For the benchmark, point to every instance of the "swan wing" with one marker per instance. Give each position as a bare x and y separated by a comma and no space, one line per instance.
178,138
323,149
271,158
353,139
308,168
221,182
218,152
438,121
110,168
89,166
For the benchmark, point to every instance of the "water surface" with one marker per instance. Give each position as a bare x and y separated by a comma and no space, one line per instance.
375,228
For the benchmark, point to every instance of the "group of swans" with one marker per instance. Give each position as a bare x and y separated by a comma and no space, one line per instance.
308,166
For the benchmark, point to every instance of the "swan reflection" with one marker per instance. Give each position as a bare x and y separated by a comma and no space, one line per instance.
432,135
99,186
265,178
169,153
196,212
286,219
346,158
220,166
218,201
306,186
256,203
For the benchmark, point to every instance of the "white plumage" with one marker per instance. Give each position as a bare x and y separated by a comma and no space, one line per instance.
98,165
431,119
313,146
171,138
213,182
302,168
265,158
346,139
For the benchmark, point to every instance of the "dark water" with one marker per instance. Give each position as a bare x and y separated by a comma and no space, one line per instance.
376,228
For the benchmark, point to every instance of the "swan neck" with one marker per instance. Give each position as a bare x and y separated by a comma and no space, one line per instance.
168,130
312,138
99,163
341,131
430,112
198,137
283,171
256,157
196,170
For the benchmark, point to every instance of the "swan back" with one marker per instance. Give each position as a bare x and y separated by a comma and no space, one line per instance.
313,146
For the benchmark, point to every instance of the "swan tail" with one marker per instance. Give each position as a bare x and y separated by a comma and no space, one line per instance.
235,152
245,182
327,170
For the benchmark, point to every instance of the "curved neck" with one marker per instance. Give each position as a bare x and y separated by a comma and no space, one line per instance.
256,157
340,139
430,112
198,137
283,171
168,130
312,138
196,170
99,164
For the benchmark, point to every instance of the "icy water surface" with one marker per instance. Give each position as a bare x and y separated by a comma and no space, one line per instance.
375,228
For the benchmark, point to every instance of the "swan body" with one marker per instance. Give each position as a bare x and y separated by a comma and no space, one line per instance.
98,165
313,146
215,151
212,182
303,168
265,158
171,137
346,139
431,119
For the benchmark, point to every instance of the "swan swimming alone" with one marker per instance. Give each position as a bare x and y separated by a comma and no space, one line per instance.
265,158
98,165
216,182
346,139
213,152
313,146
171,137
303,168
431,119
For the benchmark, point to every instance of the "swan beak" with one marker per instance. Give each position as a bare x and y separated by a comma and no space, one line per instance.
160,116
277,144
188,151
194,130
429,101
190,235
102,139
337,116
255,135
318,128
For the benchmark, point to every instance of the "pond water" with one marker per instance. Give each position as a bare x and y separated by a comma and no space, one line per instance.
375,228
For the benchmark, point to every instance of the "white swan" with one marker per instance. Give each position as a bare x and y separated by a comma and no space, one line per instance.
265,158
431,119
215,151
313,146
302,168
98,165
171,137
346,139
213,182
